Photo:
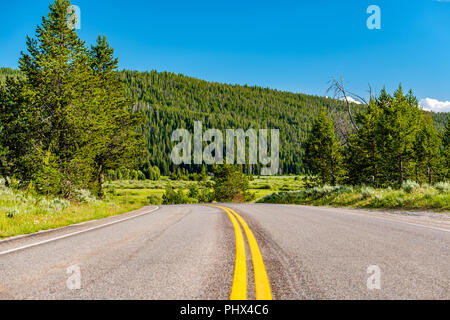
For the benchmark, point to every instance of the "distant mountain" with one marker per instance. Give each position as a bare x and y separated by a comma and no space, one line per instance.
171,101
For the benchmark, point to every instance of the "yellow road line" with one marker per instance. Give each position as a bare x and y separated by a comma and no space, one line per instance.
239,288
262,284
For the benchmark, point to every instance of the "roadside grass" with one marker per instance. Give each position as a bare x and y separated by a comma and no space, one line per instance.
21,213
420,197
24,214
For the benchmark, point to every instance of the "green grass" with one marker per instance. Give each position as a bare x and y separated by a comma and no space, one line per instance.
139,191
21,213
24,214
422,197
263,186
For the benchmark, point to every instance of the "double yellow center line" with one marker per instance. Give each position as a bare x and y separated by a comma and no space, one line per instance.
239,288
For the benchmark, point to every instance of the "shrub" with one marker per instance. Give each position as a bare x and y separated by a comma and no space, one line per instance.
59,204
263,187
11,213
443,187
154,200
174,197
194,191
83,196
250,196
367,192
410,186
230,182
318,192
344,189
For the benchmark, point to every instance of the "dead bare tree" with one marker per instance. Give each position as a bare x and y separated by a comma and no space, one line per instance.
339,91
341,127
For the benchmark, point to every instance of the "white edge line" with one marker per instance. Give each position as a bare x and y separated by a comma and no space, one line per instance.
423,226
75,233
370,214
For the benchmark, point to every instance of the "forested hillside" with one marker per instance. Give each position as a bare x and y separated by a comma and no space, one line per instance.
170,101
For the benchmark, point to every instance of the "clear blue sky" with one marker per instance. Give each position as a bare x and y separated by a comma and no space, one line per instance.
290,45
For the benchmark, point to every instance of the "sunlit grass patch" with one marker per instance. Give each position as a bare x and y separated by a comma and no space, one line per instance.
410,196
23,214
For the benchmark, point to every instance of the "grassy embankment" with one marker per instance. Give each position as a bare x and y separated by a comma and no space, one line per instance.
21,213
291,190
410,197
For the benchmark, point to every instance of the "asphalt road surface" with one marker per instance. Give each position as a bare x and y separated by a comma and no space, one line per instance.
234,251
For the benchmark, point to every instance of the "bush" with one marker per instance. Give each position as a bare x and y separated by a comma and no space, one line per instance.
11,213
250,196
59,204
231,184
443,187
318,192
410,186
83,196
154,200
174,197
367,192
263,187
194,191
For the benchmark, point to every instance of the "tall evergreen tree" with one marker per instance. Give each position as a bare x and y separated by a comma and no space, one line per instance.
396,133
323,152
363,156
396,141
65,121
58,94
120,144
427,160
446,152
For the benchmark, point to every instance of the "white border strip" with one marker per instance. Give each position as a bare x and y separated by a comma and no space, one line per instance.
75,233
386,216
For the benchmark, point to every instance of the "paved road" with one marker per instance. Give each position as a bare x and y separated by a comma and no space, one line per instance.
203,252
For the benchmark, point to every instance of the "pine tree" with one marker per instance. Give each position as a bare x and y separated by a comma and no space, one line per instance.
446,151
56,98
396,132
363,156
397,141
426,151
382,152
323,152
65,122
120,144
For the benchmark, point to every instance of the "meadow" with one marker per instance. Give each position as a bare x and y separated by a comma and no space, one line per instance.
24,213
151,192
293,190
